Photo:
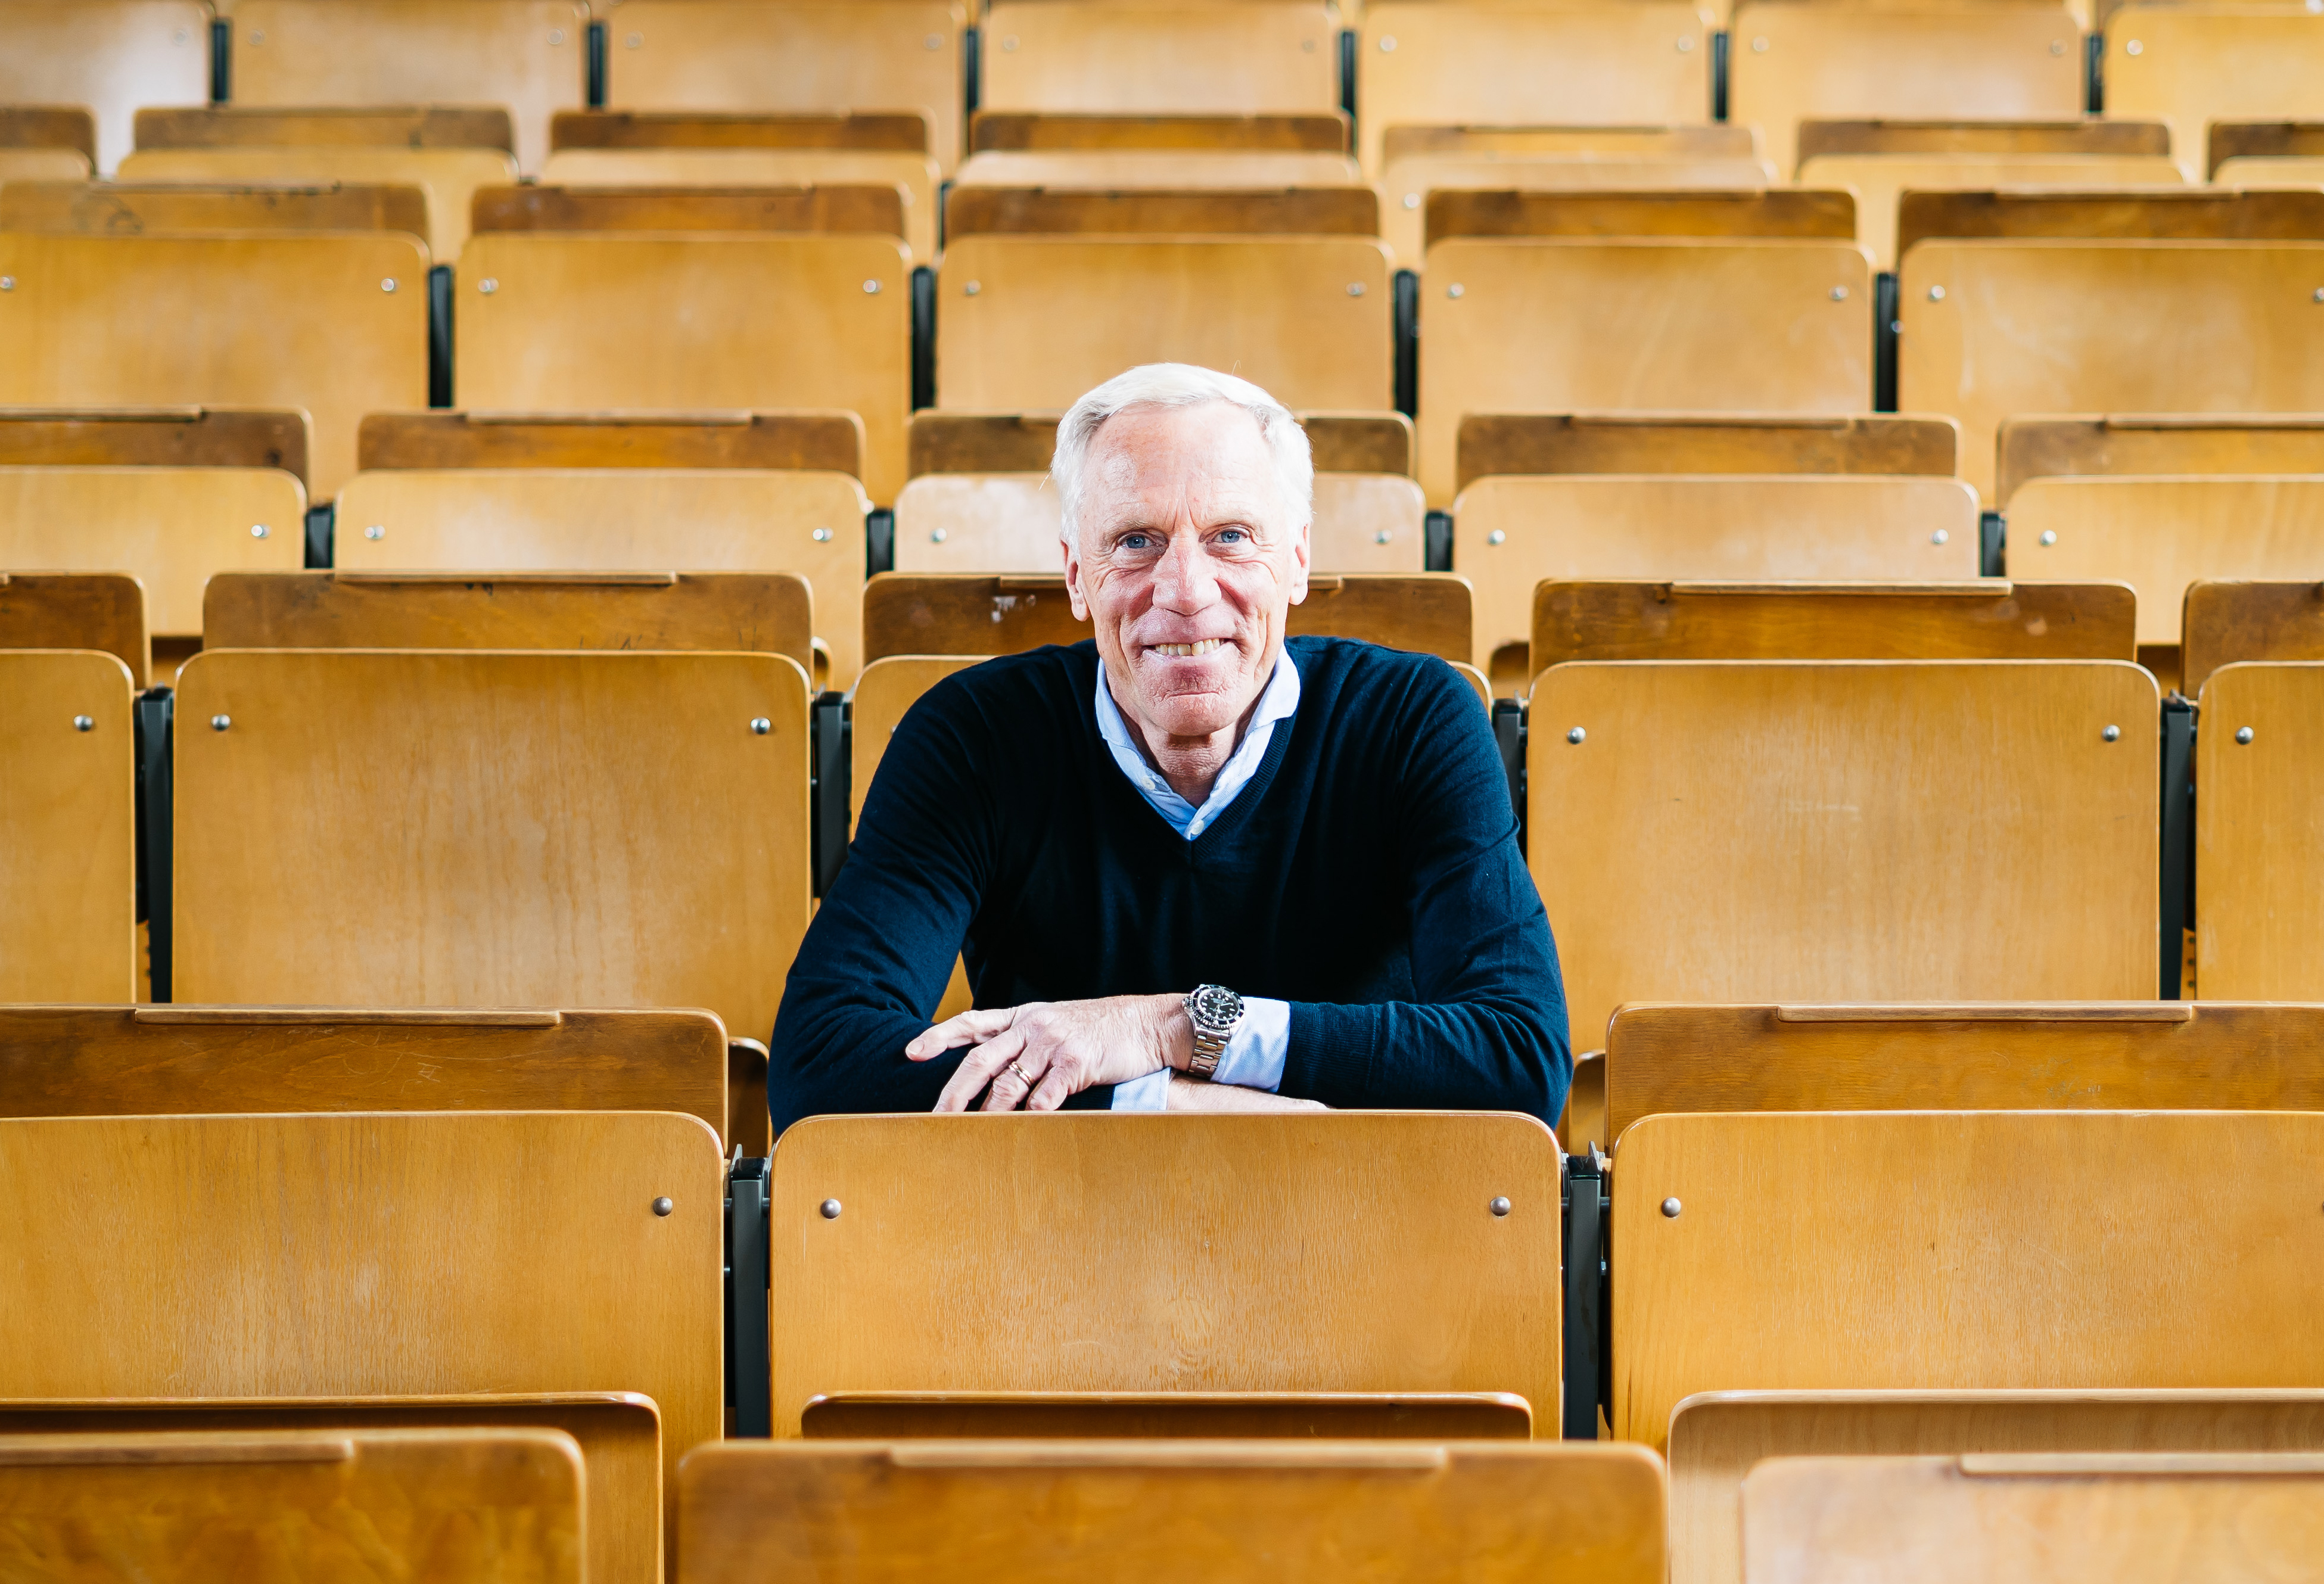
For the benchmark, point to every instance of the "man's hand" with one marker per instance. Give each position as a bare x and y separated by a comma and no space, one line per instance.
1192,1094
1037,1054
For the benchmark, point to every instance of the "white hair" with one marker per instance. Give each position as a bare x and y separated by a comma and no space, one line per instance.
1179,384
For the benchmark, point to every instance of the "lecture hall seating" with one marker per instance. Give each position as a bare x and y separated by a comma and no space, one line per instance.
68,825
2265,153
2163,443
179,437
1882,444
2257,853
873,208
2227,619
2189,66
47,142
101,610
107,57
102,207
1156,56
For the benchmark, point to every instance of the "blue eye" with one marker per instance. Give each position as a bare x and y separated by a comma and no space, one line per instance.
1234,534
1133,541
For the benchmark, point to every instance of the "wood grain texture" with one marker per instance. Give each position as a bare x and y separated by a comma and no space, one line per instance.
1710,442
1281,57
1717,1437
43,165
2159,534
114,208
2245,64
1319,211
528,57
1795,212
2227,621
445,177
1407,182
68,827
1336,1252
182,437
2249,174
910,171
1512,533
877,210
798,58
2259,833
1027,442
1680,142
691,129
279,320
467,1507
110,57
1485,1513
2262,140
71,610
346,126
2043,448
1164,169
2132,1517
823,442
686,323
65,128
887,688
408,830
1168,1416
171,528
1323,132
1053,317
2196,213
1646,65
1881,181
1822,137
1831,831
633,519
1684,325
2050,327
1790,63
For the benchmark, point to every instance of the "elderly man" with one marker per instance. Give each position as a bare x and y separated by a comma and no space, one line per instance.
1191,864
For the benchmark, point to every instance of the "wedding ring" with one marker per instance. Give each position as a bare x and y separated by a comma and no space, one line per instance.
1020,1072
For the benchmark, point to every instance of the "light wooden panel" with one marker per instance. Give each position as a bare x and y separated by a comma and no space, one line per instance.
799,58
1153,168
1878,181
370,126
68,827
1324,133
2037,447
1512,532
528,56
1981,135
2159,535
1406,183
827,442
449,177
2189,68
2259,833
1717,1437
1262,56
1788,64
2106,327
1703,442
911,172
1192,211
1846,830
549,322
110,207
2257,174
863,207
1636,65
43,165
109,55
480,1506
1338,1251
885,691
2227,621
354,1256
2155,214
1139,1512
1795,214
171,528
2124,1517
638,520
1555,325
416,829
262,321
183,437
1175,1415
73,610
1026,442
31,127
733,129
1032,322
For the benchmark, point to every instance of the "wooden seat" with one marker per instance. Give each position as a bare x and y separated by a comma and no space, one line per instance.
2188,67
349,1258
2242,153
1996,329
110,207
876,209
108,56
800,58
528,57
1136,169
1430,65
2191,443
47,142
476,1506
485,871
1323,132
1030,322
621,520
2257,852
1702,443
820,442
2127,1517
181,437
2227,621
171,528
1793,213
1168,1416
102,610
1233,1512
1275,57
1742,325
327,126
1318,211
1395,1288
68,826
1717,1438
2195,214
1511,533
685,323
1844,829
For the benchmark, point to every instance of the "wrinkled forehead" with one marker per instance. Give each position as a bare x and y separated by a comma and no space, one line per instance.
1207,460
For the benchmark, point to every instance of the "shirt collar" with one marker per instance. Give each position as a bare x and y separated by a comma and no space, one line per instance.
1278,701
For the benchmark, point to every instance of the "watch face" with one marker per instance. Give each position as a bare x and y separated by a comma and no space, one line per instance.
1216,1005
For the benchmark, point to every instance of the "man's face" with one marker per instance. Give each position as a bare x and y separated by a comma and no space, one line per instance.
1187,560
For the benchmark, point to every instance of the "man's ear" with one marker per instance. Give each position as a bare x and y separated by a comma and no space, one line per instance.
1300,547
1071,545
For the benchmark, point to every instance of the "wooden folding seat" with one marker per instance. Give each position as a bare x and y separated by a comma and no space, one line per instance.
1846,830
2227,621
1239,1513
1492,443
1430,65
813,57
1036,211
2191,67
1134,169
179,436
1133,57
638,130
327,127
101,610
68,826
1512,533
2255,154
1793,213
2160,446
875,209
1391,1289
107,55
1789,63
1025,323
625,519
551,321
2196,213
346,1271
823,442
172,528
1551,325
337,325
1112,130
2257,853
47,142
467,1507
485,870
1147,1416
111,207
528,57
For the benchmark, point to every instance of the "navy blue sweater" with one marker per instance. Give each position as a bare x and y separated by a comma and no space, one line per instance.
1367,874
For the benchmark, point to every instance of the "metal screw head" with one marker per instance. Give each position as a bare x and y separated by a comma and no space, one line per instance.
1940,537
2057,46
2244,736
388,284
870,288
1382,537
1840,294
376,531
1936,294
178,35
556,35
1498,1207
1759,46
1456,290
2112,733
937,536
1577,736
823,536
2318,295
663,1206
84,722
1412,200
830,1208
488,285
220,723
2049,536
971,288
1355,288
1686,46
258,35
933,41
1009,44
1307,46
634,40
1388,43
760,725
258,530
7,282
1496,538
1671,1208
2134,48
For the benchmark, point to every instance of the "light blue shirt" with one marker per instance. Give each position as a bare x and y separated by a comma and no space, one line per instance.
1261,1042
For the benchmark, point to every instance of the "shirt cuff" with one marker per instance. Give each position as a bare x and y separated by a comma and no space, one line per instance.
1261,1043
1149,1093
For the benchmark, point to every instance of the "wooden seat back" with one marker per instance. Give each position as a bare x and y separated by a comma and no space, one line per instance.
1407,184
1027,442
1844,829
1168,1416
1037,211
550,321
445,177
1236,1512
1702,443
2259,145
2190,443
1280,57
484,871
2189,69
181,436
1795,213
2226,620
68,826
322,126
813,442
2257,852
878,210
1822,137
334,324
893,130
911,173
2165,214
108,56
1162,170
1882,182
105,208
1324,132
1404,1278
103,610
47,142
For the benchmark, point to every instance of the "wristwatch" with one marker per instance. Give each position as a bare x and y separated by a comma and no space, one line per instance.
1215,1011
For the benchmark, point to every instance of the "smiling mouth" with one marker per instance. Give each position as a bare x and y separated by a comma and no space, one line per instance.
1185,651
